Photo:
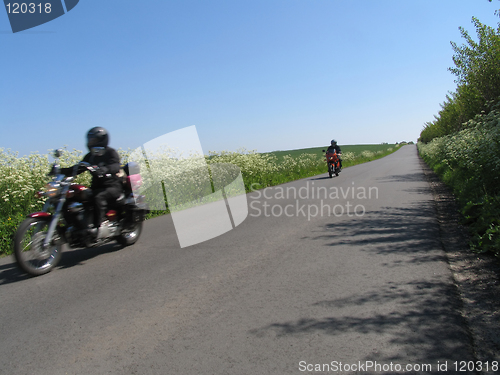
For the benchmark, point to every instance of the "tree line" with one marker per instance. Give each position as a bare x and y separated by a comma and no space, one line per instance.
462,144
477,68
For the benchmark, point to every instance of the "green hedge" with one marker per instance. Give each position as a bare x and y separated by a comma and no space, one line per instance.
469,162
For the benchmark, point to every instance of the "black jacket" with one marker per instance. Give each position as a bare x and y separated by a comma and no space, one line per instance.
109,165
336,148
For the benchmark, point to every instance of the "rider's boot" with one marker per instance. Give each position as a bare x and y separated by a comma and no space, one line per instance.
92,233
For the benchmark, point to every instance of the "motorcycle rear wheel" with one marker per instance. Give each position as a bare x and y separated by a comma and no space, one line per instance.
131,235
28,247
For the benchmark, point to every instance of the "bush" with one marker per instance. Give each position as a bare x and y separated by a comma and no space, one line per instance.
469,162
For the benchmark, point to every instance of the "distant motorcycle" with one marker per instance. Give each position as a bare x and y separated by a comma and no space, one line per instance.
333,162
65,217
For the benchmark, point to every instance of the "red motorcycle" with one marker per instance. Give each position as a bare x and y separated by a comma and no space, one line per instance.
333,162
66,215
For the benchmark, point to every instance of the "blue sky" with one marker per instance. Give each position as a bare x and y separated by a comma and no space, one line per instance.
259,74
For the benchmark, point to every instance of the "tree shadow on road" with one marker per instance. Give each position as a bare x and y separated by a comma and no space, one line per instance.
424,327
408,177
409,231
419,318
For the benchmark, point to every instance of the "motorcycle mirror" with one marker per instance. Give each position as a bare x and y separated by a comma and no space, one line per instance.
323,151
58,153
55,170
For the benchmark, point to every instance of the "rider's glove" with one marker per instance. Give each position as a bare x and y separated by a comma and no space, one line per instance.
96,171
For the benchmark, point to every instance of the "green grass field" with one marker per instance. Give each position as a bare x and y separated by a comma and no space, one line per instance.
355,149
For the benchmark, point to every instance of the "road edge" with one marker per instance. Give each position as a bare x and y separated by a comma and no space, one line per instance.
476,276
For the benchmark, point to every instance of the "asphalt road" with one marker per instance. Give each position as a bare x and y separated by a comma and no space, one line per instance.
299,284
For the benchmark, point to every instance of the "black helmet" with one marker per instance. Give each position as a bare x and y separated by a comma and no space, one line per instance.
97,137
334,142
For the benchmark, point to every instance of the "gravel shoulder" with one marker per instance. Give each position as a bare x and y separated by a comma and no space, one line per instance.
477,276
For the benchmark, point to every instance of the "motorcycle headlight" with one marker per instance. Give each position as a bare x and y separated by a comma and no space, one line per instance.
51,189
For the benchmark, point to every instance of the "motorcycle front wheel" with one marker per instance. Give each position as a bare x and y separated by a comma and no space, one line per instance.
30,254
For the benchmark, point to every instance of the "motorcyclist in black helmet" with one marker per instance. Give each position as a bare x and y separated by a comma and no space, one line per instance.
106,185
335,148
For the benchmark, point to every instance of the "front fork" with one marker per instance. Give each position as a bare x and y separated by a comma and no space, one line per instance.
55,217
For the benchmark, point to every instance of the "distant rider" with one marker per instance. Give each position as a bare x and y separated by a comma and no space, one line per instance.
335,148
106,185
